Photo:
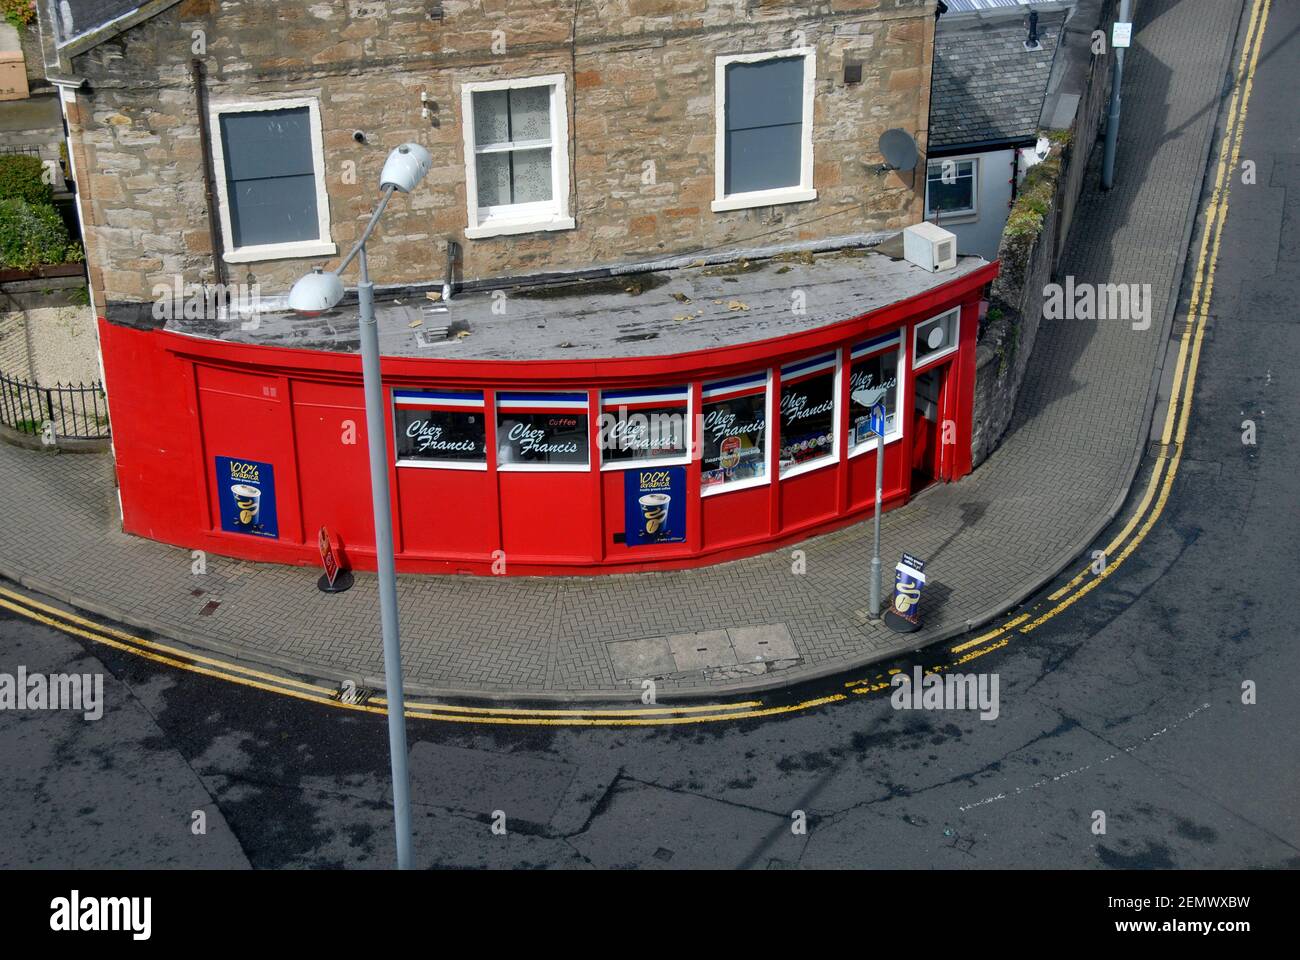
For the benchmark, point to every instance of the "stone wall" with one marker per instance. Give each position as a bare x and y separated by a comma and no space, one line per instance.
1028,264
640,83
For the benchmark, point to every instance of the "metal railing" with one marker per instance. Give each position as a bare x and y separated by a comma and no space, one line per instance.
64,411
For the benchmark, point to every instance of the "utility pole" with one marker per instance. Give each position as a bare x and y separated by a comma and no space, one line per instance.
1112,118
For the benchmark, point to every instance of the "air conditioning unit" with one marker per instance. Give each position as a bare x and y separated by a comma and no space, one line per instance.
929,247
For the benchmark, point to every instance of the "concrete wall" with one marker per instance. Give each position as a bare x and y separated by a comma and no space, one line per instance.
640,81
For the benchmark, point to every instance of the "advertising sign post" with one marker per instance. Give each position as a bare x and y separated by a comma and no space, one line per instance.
336,579
903,616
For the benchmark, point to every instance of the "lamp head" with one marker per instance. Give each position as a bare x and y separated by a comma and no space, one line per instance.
405,167
315,293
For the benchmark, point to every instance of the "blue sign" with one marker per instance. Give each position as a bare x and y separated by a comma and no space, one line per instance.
878,419
246,497
654,505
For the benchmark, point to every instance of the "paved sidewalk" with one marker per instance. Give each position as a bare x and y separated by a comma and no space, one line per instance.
1060,475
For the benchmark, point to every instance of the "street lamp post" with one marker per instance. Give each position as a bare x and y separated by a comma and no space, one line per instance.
315,293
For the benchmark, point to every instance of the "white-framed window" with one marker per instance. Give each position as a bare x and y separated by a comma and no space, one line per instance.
952,188
809,411
441,429
516,155
763,151
875,375
644,427
269,161
736,433
543,431
935,338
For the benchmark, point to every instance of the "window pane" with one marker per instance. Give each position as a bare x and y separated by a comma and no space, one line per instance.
764,159
267,143
530,113
558,437
454,435
764,125
872,379
955,196
281,210
270,176
532,175
493,179
655,433
808,419
491,117
735,440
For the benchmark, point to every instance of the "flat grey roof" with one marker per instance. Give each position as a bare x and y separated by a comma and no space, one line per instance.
631,315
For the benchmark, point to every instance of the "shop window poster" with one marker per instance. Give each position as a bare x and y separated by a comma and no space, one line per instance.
654,506
808,419
246,497
735,440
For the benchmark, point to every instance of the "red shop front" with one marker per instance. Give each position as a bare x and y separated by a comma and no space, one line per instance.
546,466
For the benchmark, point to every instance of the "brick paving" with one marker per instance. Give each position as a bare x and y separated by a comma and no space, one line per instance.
1058,476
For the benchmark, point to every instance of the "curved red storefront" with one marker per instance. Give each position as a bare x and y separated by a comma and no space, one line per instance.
525,467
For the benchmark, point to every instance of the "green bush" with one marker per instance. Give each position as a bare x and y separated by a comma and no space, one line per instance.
22,178
18,12
33,235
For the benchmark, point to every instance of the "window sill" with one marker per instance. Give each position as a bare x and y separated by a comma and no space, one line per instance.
510,227
281,251
748,483
763,198
950,218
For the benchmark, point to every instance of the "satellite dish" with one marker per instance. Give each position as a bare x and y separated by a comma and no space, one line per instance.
899,150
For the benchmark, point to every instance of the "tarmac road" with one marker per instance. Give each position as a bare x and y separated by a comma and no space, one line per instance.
1128,702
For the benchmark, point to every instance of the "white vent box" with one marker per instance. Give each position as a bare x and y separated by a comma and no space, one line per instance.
929,247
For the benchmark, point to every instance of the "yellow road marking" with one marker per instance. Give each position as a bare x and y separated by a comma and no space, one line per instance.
1180,404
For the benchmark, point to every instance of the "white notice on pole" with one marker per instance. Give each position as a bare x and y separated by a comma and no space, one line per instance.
1122,35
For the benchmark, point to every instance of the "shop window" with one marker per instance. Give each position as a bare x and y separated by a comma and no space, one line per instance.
643,427
809,407
951,189
935,338
764,152
735,434
516,156
542,431
446,429
271,180
873,378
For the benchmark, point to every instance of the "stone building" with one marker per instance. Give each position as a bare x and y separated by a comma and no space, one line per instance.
566,134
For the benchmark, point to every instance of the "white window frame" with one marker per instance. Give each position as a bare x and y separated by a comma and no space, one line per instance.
956,216
323,246
918,364
714,489
540,467
680,460
518,218
430,463
762,198
896,434
837,390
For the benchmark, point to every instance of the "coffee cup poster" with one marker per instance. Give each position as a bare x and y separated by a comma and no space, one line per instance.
246,494
654,505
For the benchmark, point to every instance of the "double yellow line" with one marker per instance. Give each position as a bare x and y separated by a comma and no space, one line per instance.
1120,548
1165,470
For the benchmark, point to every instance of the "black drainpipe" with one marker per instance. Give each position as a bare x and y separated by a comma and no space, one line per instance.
209,182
